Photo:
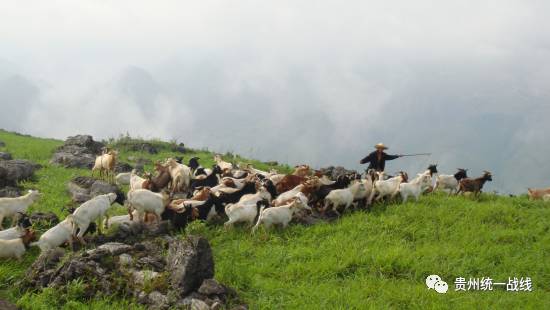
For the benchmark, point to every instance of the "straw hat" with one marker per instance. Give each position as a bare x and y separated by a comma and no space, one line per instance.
380,146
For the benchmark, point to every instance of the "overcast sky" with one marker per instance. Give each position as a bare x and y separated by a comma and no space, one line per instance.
316,82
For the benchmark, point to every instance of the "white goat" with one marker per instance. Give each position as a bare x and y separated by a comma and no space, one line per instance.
343,197
386,187
415,187
286,196
9,207
225,166
136,182
450,182
181,175
120,219
123,178
145,201
91,210
253,170
57,235
15,248
105,162
246,209
13,233
281,215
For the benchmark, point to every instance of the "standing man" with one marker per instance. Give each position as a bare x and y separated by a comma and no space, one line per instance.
377,159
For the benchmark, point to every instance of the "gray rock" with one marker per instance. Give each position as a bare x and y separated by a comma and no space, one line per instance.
197,304
149,148
142,297
5,156
101,187
216,306
157,300
78,194
140,160
190,262
125,260
6,305
101,269
123,167
44,219
10,191
86,141
335,172
137,146
78,152
139,277
156,263
73,160
139,168
13,171
43,270
2,144
180,148
211,287
116,248
84,188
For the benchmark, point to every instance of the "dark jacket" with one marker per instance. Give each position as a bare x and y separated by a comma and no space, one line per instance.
375,163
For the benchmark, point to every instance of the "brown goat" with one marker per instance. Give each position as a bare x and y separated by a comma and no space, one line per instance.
28,237
474,185
106,162
537,193
160,181
289,182
301,171
202,194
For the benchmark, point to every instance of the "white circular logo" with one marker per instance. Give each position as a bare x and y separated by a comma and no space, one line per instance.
431,279
441,287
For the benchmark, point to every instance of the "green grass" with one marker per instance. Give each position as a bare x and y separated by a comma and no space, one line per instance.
363,260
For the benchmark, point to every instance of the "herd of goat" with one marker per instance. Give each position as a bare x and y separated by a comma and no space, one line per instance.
182,193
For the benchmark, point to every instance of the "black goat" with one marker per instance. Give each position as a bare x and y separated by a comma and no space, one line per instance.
249,188
433,169
342,181
178,220
194,163
205,208
268,184
24,221
211,180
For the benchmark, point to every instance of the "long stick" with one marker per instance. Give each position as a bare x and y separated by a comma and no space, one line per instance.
419,154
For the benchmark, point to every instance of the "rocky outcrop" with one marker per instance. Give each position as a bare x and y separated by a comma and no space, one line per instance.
181,279
190,263
179,148
78,152
123,167
334,172
44,219
84,188
137,146
5,156
13,171
6,305
10,191
140,162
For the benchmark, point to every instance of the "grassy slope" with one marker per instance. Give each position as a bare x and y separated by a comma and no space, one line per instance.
378,259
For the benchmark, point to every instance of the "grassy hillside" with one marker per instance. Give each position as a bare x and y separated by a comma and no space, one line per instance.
363,260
